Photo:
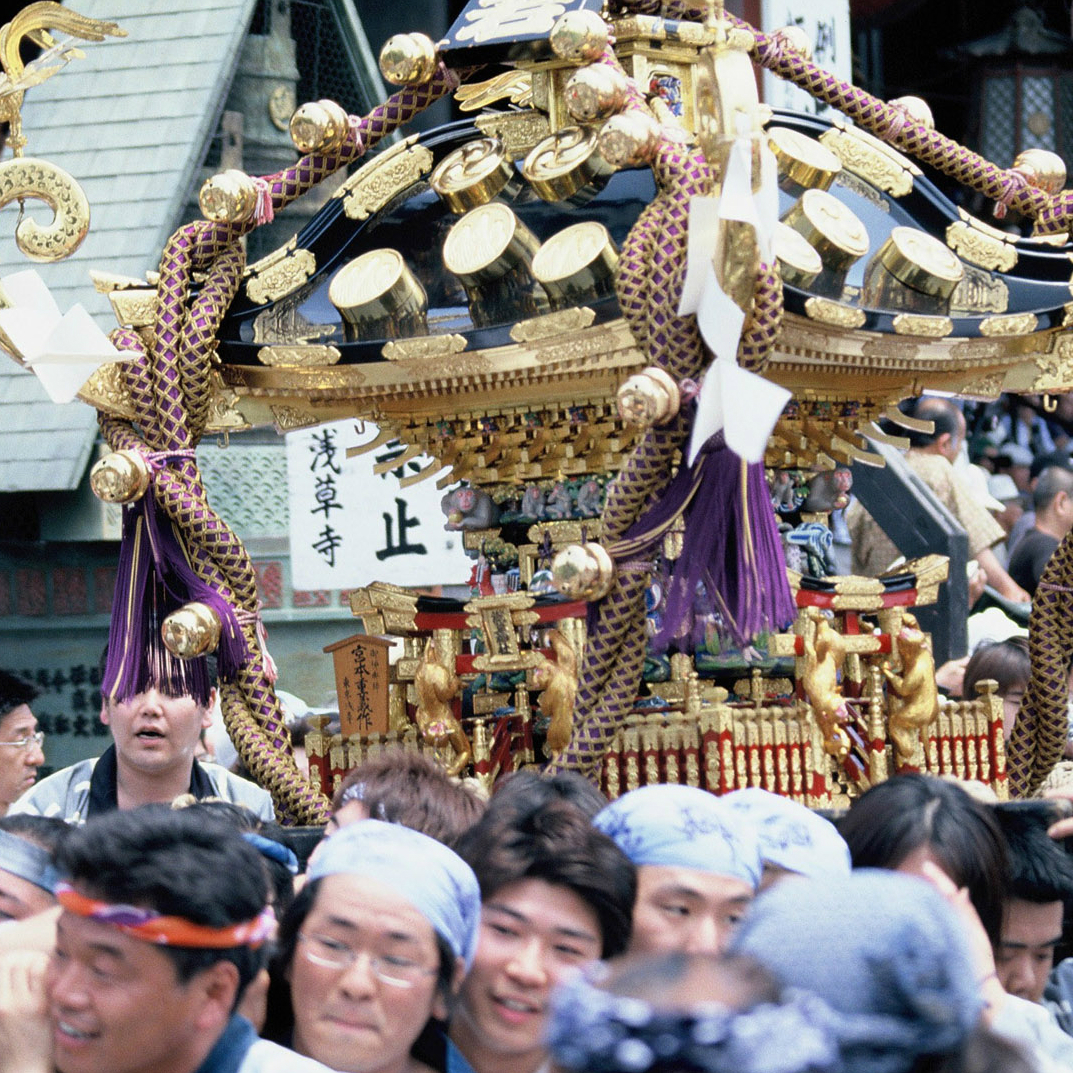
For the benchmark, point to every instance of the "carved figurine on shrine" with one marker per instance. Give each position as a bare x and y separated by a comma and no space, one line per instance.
558,684
436,686
914,699
825,653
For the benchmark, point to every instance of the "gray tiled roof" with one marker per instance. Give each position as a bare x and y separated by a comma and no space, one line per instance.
130,122
43,447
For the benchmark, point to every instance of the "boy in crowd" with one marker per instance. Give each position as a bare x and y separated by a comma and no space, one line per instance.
698,866
555,894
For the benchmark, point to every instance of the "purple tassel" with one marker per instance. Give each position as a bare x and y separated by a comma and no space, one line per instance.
730,546
183,585
154,579
126,670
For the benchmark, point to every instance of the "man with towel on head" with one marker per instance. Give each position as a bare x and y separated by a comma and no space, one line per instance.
698,866
27,874
794,840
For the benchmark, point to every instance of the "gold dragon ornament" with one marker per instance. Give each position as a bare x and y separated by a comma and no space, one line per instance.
27,177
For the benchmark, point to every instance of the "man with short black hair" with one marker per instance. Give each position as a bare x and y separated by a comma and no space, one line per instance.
1052,500
1039,885
164,923
155,733
556,894
20,740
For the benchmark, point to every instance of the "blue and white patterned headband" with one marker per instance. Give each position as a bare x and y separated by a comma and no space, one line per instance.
273,850
594,1031
683,827
28,861
792,836
423,872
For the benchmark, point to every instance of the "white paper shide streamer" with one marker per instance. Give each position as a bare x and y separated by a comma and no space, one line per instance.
742,404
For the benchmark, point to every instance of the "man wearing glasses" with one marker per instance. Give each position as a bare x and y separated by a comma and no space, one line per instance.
20,741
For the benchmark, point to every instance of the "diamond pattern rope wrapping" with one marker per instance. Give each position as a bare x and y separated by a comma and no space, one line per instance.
1039,735
762,328
649,284
1053,214
170,389
199,335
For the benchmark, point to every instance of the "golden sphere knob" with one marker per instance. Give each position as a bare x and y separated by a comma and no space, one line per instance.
1042,168
408,59
629,139
121,477
191,631
650,397
917,109
583,572
579,37
228,198
795,39
319,127
595,92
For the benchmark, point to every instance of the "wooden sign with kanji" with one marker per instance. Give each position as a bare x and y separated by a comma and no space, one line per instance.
361,680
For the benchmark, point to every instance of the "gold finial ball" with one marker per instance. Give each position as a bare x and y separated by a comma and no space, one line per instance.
408,59
228,198
121,477
583,572
917,109
1042,168
796,39
191,631
629,139
319,127
649,397
595,92
579,37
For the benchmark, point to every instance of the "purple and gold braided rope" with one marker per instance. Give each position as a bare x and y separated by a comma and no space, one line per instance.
170,387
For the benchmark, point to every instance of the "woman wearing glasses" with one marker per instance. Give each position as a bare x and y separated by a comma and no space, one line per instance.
372,949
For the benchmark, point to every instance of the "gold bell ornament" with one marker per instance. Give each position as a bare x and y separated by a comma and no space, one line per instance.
192,630
595,92
120,477
408,59
583,572
319,127
650,397
228,198
579,37
629,139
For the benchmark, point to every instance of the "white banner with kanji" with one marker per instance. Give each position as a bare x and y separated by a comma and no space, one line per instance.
827,24
350,526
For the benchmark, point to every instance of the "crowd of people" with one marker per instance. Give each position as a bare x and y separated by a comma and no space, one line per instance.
158,921
1004,470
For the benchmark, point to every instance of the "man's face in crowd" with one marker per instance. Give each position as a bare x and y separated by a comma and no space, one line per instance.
532,933
686,909
20,898
116,1004
18,764
1025,957
347,1016
154,733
